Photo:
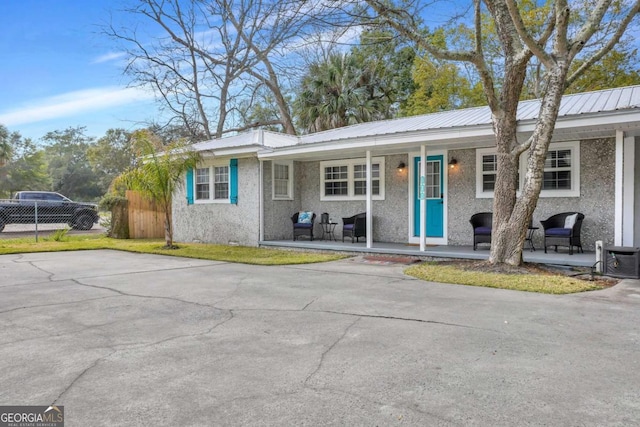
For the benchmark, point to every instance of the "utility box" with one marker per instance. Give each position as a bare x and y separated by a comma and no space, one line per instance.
623,262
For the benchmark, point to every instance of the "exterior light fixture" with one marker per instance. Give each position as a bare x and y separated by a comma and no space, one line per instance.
401,167
452,163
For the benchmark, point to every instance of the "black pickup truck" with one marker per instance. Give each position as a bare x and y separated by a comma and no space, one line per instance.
46,207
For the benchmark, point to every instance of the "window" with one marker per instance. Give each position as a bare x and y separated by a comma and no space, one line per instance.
557,170
336,181
212,184
489,169
561,171
347,179
282,180
561,176
202,184
486,171
221,182
360,179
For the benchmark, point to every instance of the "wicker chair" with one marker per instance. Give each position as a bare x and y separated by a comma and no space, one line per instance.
354,227
481,223
302,228
558,231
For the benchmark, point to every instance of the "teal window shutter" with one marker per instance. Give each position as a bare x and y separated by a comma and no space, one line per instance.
233,181
190,186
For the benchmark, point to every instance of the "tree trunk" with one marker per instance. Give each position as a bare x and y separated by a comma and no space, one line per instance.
508,230
512,215
120,220
168,230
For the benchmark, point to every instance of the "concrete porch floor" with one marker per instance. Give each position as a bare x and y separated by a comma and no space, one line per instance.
538,256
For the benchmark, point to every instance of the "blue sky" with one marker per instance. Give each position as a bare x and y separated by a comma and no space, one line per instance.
58,71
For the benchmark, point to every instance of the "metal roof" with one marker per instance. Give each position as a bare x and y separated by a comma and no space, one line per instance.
575,105
608,100
257,138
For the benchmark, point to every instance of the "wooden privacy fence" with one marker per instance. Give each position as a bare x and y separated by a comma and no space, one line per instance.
146,218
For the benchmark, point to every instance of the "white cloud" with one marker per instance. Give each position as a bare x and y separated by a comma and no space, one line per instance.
107,57
73,103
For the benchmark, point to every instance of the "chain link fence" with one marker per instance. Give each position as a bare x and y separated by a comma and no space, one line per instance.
22,218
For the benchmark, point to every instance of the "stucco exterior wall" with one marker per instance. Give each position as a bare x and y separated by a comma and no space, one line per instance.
222,223
226,223
389,215
277,213
596,201
462,201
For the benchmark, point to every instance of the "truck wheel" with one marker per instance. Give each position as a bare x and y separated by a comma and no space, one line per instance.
83,222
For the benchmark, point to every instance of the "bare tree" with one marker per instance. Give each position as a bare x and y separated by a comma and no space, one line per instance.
569,30
214,56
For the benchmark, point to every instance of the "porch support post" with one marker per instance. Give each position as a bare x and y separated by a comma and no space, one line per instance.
628,191
423,199
624,190
368,208
261,202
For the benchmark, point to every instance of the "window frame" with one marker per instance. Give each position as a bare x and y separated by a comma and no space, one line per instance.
351,180
574,191
212,182
573,146
289,195
480,152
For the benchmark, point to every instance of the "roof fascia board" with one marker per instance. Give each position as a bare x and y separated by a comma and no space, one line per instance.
410,137
245,151
612,119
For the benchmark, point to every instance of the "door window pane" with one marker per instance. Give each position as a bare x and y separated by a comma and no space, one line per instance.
433,180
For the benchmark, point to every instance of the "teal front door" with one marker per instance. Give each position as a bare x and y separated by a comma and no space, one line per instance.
433,190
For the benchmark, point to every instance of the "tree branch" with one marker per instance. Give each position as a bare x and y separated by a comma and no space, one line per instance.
561,43
521,148
528,40
590,27
418,38
254,125
480,63
607,47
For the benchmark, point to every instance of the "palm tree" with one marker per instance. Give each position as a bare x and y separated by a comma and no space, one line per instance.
335,94
158,173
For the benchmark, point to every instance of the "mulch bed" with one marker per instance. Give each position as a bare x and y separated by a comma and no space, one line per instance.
529,268
580,273
378,259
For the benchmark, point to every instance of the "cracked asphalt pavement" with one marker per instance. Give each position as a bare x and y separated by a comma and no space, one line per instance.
132,339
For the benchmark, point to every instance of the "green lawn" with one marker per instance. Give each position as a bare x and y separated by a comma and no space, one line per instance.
239,254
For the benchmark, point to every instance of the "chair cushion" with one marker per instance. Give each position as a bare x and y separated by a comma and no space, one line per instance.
558,232
484,231
348,227
570,220
305,217
303,226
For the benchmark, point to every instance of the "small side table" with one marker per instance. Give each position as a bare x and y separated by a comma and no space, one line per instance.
328,229
530,232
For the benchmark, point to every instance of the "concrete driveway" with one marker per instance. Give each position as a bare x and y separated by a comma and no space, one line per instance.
127,339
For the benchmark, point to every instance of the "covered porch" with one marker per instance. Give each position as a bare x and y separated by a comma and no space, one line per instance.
560,258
